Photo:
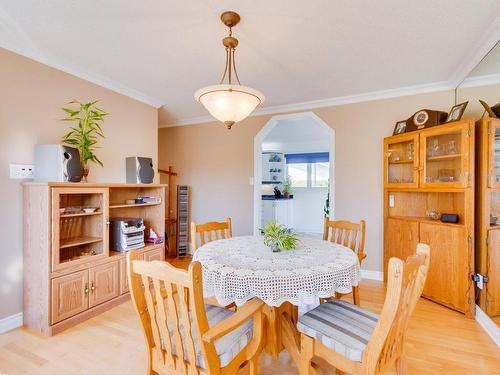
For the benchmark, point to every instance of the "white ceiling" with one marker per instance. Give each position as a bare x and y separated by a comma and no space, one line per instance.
294,51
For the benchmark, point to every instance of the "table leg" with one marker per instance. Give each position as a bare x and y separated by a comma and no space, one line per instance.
275,323
273,335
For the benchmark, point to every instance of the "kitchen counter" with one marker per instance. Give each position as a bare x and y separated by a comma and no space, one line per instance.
271,197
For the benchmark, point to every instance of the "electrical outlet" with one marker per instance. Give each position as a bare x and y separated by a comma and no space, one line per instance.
21,171
391,200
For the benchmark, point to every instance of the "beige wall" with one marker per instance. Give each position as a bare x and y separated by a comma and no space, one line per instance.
218,163
31,95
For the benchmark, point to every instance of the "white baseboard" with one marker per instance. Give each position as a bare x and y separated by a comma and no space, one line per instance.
11,322
488,325
372,275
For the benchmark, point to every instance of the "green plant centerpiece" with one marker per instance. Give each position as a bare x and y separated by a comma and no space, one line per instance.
85,132
278,237
287,186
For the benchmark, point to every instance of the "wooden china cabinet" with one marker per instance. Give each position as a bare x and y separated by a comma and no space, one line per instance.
428,173
70,272
488,213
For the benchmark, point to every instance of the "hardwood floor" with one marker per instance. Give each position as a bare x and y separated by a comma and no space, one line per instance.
439,341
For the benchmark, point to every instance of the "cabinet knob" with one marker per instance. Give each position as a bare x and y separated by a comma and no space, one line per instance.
92,287
86,290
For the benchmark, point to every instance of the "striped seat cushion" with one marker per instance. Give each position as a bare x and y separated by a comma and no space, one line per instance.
341,326
227,347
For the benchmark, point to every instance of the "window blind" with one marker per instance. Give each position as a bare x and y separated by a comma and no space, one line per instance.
311,157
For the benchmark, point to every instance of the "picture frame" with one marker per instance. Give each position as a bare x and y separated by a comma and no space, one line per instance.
456,112
399,128
487,109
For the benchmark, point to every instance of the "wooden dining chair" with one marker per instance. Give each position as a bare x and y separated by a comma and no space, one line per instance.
357,341
212,230
351,235
185,336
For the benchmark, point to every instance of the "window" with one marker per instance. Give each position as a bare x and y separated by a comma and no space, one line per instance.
298,174
308,170
320,173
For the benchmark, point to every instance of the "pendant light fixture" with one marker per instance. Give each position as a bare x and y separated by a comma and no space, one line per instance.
229,102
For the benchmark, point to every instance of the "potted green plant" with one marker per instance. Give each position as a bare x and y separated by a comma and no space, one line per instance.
86,131
287,186
278,237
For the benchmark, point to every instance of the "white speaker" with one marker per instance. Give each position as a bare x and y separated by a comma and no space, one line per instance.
57,163
140,170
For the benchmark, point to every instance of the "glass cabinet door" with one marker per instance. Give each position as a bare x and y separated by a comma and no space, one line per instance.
401,161
494,155
445,155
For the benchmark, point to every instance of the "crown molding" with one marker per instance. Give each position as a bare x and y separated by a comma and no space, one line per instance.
88,76
486,80
487,42
330,102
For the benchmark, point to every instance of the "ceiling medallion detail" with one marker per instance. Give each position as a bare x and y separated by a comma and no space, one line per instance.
229,102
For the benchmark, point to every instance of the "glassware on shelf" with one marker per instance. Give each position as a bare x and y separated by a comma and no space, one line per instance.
452,147
410,151
433,215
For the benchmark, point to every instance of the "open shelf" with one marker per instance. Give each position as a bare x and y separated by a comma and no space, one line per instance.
444,157
63,216
425,220
134,205
78,241
402,162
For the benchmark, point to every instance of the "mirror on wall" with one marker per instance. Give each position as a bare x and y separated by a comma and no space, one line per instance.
483,84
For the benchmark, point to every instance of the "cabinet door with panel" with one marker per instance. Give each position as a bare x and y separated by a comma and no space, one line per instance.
123,276
70,295
494,154
156,254
447,279
445,156
103,283
401,239
401,160
493,284
268,212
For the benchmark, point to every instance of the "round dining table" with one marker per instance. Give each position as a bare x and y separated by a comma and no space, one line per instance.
291,282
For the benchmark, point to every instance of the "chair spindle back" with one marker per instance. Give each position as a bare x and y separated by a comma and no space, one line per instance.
210,231
405,284
165,308
346,233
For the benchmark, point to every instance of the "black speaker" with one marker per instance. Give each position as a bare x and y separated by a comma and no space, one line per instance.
449,218
57,163
140,170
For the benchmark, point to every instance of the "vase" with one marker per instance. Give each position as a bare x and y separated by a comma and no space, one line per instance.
275,248
287,195
85,172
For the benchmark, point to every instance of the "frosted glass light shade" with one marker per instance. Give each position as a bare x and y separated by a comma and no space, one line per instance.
229,103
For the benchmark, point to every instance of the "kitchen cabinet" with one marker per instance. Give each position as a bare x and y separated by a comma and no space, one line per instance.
278,210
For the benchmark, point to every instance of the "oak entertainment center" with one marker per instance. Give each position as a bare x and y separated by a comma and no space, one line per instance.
70,273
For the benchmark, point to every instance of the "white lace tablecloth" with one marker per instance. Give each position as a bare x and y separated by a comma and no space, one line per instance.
240,268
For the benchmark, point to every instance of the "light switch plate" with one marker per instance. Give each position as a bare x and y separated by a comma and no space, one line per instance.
391,200
21,171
